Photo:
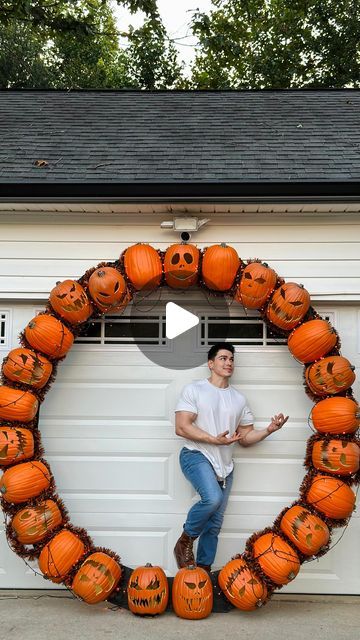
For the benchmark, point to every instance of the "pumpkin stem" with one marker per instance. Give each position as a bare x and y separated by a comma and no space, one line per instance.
101,274
223,244
148,564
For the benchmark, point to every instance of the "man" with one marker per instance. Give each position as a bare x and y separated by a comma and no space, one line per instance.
212,416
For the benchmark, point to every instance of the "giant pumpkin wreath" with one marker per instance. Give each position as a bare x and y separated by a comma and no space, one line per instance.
37,522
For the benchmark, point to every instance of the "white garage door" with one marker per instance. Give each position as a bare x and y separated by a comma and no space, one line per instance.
108,432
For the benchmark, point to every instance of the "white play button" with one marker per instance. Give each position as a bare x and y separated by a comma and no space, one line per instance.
178,320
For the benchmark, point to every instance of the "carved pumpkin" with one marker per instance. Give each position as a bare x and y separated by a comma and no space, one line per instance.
32,524
143,266
241,585
16,444
148,590
219,266
256,285
276,558
17,405
331,496
330,375
192,593
288,305
107,288
97,578
336,415
181,265
312,340
305,530
70,301
50,336
60,554
28,367
24,481
338,457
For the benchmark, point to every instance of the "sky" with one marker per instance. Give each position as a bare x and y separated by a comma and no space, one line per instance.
176,16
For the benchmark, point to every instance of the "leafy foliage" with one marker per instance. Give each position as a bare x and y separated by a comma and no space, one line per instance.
152,61
65,44
277,44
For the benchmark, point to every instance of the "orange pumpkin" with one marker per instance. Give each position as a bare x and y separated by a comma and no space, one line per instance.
219,266
312,340
28,367
17,405
143,266
107,288
70,301
305,530
148,590
288,305
181,265
15,445
338,457
276,558
32,524
50,336
97,578
256,285
24,481
331,496
60,554
241,585
330,376
336,415
192,593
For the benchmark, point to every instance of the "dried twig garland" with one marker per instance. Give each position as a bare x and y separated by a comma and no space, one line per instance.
32,551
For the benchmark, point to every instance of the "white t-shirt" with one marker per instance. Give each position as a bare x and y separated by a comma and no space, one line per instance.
217,410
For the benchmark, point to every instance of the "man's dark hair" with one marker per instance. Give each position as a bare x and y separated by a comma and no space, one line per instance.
220,345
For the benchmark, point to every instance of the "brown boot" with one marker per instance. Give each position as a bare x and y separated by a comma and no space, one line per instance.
183,550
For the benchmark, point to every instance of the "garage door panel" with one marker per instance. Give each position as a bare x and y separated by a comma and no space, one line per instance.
104,399
125,474
108,432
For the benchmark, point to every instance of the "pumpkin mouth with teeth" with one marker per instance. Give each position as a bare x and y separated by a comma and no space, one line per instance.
27,488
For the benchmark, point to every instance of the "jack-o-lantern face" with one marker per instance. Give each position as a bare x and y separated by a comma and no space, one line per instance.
181,265
96,578
288,305
107,288
148,591
70,301
256,285
192,593
241,586
306,530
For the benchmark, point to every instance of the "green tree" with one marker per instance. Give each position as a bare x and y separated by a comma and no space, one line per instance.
277,44
152,58
63,15
65,45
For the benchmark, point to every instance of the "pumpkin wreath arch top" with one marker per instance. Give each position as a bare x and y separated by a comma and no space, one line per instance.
37,521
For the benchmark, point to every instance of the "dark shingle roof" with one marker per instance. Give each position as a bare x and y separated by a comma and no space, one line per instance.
171,137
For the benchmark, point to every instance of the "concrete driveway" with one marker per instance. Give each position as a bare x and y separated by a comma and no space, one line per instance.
57,615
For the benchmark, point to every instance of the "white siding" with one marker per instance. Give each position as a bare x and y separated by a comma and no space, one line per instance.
321,252
108,421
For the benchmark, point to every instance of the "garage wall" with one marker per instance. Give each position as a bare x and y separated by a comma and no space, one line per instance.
320,251
114,457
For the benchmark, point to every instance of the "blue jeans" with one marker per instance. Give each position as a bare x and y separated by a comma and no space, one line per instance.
205,518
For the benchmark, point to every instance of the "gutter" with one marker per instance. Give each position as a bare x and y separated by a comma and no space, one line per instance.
271,192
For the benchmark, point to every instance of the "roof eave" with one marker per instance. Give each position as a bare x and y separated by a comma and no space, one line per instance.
180,191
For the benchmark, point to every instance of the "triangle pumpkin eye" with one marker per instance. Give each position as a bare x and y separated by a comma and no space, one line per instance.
248,276
202,584
191,585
